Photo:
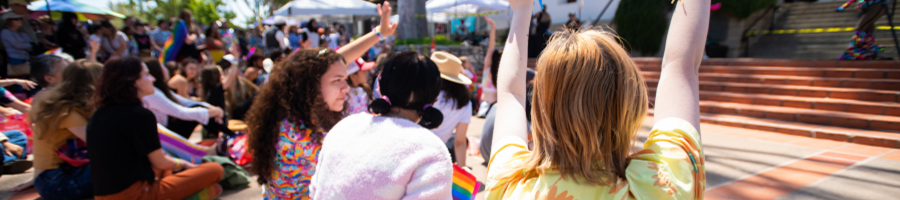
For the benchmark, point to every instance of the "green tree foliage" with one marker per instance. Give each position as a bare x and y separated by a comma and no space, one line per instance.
641,24
743,8
205,11
208,11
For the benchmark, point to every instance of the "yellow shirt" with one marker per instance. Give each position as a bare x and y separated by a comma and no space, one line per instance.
669,167
46,143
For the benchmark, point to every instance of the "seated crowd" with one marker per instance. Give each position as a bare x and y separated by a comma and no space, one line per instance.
342,123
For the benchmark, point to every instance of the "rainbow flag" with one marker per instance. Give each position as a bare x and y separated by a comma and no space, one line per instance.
179,147
464,185
252,50
173,44
53,51
228,38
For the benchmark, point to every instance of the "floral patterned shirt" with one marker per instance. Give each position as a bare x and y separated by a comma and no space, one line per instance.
671,166
358,101
295,162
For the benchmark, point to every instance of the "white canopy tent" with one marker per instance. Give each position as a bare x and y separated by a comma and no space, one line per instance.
327,7
466,7
441,11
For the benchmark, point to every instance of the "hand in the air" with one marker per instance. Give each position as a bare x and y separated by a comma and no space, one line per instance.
387,28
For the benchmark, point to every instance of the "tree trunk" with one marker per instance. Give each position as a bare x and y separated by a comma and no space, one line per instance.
413,23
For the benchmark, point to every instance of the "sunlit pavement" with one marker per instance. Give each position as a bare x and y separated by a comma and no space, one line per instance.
740,164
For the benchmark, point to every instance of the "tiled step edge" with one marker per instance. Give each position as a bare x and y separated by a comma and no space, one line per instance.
793,71
822,63
802,91
861,83
833,105
858,136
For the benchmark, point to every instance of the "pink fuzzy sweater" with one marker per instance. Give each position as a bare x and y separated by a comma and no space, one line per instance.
373,157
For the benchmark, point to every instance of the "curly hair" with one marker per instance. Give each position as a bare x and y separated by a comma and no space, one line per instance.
116,82
292,93
74,92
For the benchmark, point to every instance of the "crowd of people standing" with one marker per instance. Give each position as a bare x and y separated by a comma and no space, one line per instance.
328,117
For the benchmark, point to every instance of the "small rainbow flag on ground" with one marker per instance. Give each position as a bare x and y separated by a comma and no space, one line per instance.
464,185
173,44
179,147
53,51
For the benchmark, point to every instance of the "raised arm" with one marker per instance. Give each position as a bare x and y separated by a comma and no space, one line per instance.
95,47
230,77
358,47
678,93
489,54
513,128
28,85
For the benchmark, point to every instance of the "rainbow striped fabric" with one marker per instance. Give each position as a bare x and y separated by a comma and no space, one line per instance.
464,185
179,147
252,50
207,193
174,43
53,51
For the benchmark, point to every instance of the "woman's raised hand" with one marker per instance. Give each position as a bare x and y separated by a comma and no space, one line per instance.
521,4
387,28
490,21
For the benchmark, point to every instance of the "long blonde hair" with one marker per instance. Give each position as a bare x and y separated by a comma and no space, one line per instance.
73,93
589,100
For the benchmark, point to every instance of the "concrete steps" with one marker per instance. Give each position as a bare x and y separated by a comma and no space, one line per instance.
824,45
851,101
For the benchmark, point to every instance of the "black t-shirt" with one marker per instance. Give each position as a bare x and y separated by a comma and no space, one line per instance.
188,51
121,138
142,40
216,97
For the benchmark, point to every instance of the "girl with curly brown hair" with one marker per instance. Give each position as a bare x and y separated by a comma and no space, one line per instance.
303,99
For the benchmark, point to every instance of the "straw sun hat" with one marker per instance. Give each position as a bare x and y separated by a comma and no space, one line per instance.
450,67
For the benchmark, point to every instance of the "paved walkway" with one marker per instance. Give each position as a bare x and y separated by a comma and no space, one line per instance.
740,164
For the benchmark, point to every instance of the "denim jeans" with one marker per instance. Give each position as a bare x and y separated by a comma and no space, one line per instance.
65,182
17,138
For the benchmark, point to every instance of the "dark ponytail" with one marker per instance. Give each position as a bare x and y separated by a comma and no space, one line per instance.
410,81
431,118
380,107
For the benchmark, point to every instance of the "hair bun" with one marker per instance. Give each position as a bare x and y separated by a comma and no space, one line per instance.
431,118
380,106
